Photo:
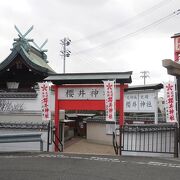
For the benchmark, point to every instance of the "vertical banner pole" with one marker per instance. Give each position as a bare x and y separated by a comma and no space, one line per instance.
121,117
177,99
156,108
121,108
115,106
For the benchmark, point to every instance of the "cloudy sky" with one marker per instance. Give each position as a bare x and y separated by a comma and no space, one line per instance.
106,35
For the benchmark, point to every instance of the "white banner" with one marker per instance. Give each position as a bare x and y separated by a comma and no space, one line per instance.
45,101
170,101
109,100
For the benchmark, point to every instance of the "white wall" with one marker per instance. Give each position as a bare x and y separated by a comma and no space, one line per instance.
96,132
33,104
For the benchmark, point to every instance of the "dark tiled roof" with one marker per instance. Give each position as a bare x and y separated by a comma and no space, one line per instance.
23,125
146,86
18,95
98,119
90,78
75,115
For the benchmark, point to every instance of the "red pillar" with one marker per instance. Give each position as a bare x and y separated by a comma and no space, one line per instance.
56,117
121,108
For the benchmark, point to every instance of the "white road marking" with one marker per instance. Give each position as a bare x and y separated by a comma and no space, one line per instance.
97,158
163,164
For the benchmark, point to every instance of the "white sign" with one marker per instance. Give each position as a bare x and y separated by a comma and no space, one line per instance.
44,97
109,100
84,93
144,101
139,102
170,101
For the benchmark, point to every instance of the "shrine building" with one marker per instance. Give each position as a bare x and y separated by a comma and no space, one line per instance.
20,73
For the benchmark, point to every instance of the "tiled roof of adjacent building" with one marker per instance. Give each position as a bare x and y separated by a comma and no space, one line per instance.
11,95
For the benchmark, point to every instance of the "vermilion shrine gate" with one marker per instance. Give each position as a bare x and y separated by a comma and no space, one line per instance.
84,91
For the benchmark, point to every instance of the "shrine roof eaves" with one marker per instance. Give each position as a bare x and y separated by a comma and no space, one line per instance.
31,59
37,61
90,78
146,86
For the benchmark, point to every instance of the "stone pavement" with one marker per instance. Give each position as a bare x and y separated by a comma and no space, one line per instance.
82,146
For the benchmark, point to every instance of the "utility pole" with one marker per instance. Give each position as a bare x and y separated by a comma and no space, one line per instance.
65,52
145,74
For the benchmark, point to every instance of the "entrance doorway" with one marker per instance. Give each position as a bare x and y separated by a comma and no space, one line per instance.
78,124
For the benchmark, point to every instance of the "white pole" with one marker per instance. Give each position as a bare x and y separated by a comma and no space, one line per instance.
156,108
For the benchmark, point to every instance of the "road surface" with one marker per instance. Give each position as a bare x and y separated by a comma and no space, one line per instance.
56,166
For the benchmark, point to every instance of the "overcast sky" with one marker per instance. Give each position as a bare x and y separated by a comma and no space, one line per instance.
106,35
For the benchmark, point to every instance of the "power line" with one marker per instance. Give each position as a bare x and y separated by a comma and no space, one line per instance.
145,28
124,23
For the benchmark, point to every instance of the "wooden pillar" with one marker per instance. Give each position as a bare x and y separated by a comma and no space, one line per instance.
56,122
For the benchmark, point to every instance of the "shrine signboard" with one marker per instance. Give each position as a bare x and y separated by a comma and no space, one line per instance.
140,101
133,101
84,93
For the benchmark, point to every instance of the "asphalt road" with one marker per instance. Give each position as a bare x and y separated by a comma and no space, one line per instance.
42,166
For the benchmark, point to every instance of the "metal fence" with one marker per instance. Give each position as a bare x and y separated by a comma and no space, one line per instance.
144,118
161,138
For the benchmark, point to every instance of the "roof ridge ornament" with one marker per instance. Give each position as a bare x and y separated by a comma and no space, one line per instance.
27,32
44,56
23,41
40,47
